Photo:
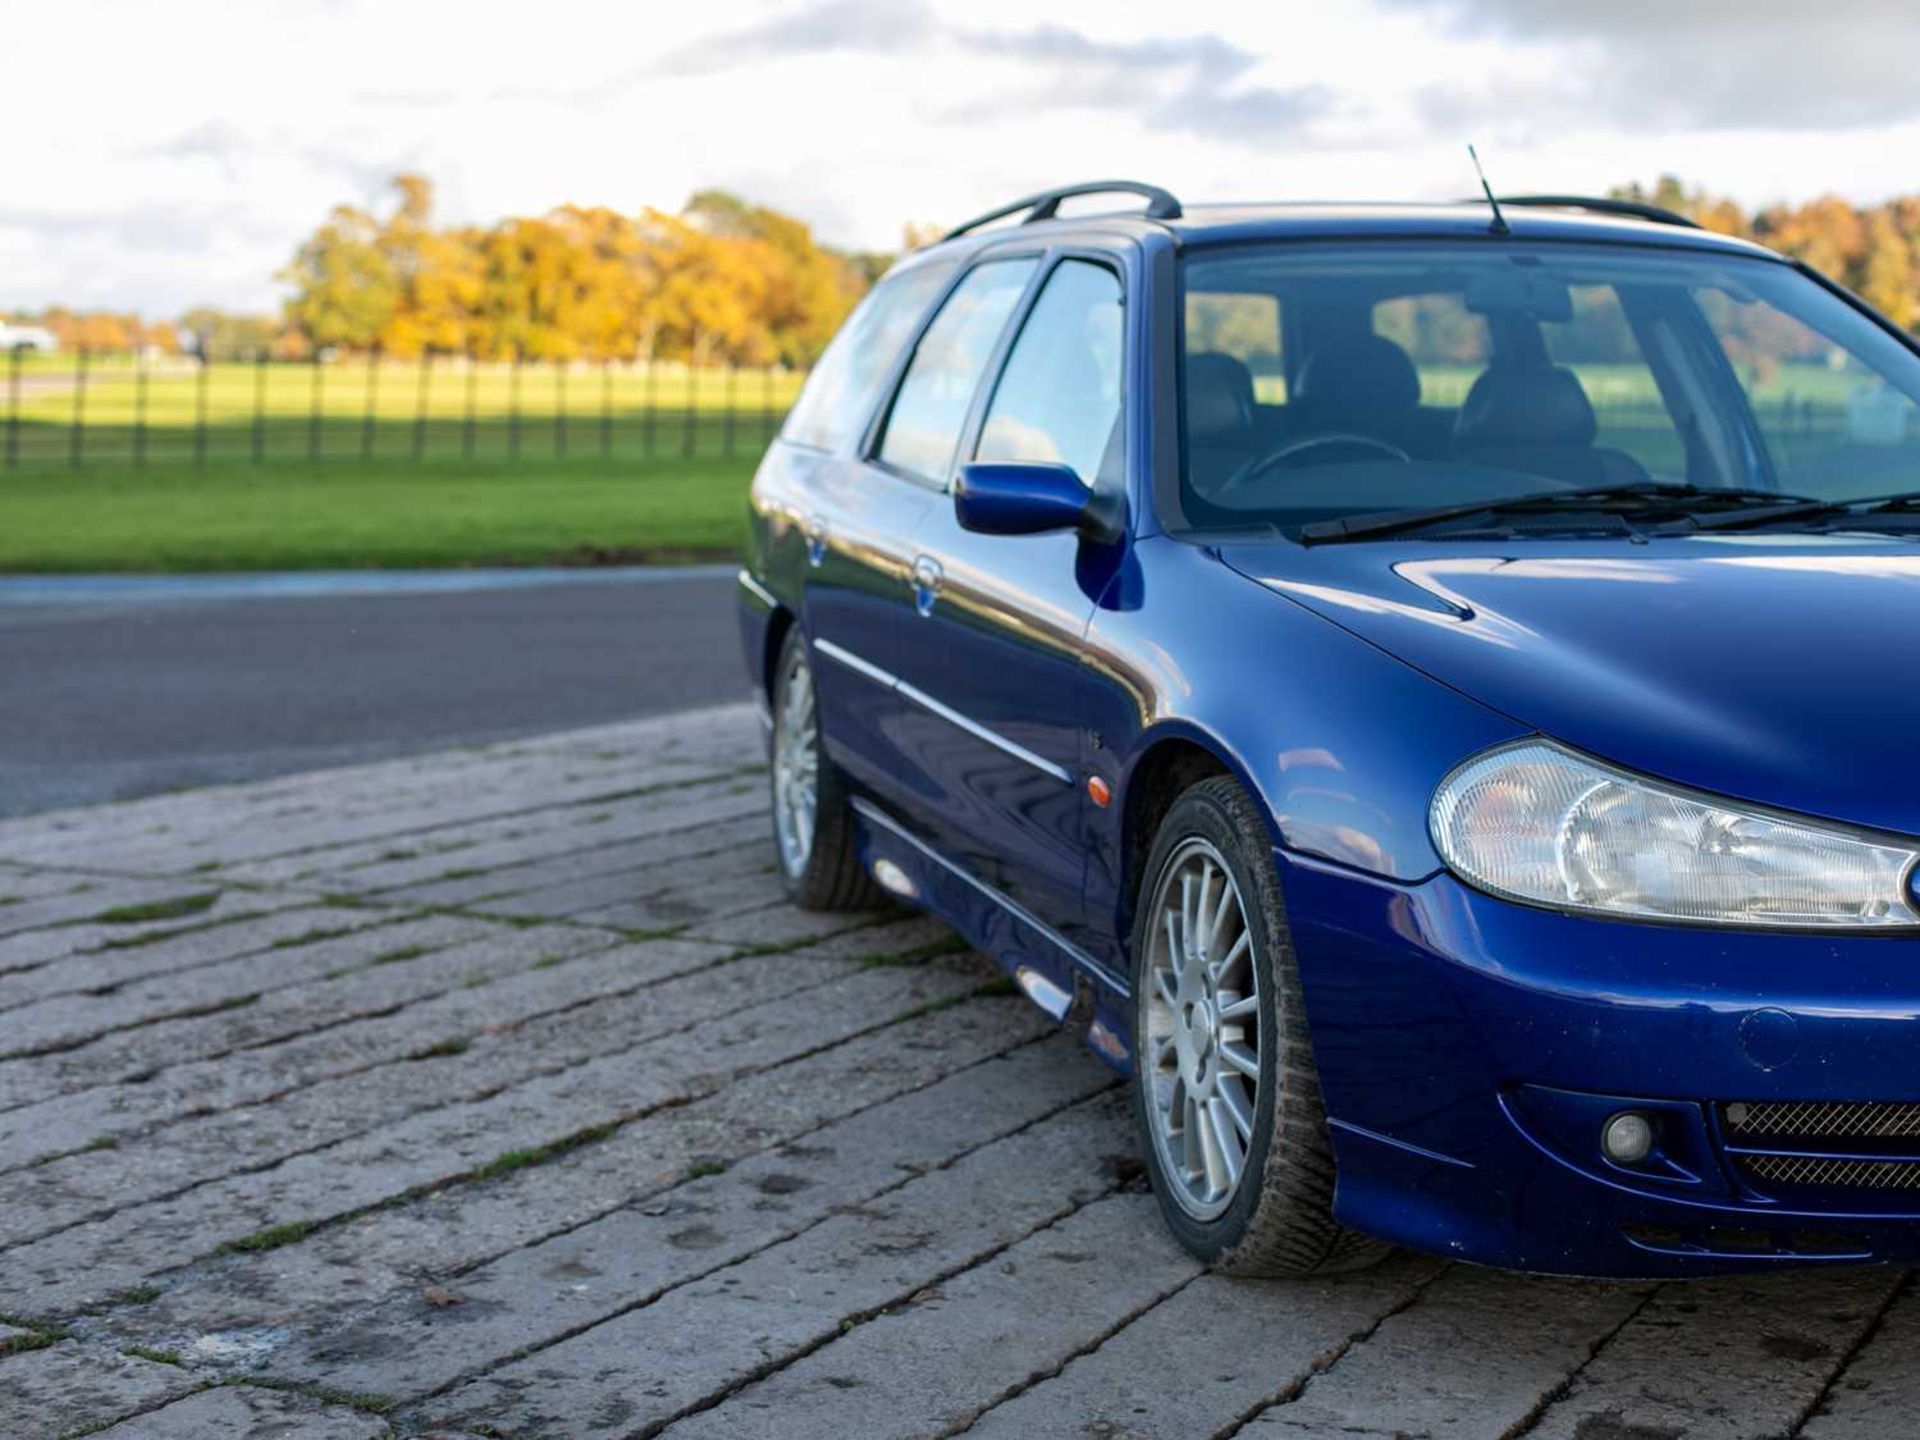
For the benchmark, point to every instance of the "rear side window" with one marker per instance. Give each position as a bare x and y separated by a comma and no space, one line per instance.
1058,399
845,384
931,407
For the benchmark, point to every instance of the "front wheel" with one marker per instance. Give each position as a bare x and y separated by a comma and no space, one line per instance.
1224,1086
812,824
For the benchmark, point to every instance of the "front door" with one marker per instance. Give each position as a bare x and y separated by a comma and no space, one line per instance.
993,721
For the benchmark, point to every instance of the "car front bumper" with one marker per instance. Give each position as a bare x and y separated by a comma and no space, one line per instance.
1471,1049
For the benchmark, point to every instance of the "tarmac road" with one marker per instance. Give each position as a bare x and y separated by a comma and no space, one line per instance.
114,688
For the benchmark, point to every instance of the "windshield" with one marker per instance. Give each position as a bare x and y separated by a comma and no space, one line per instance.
1326,381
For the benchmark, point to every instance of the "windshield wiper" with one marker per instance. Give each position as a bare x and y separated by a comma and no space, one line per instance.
1638,495
1793,507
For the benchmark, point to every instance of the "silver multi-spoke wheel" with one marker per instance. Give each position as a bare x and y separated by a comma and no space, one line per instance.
1202,1049
796,765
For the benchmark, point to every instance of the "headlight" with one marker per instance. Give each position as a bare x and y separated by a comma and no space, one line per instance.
1537,823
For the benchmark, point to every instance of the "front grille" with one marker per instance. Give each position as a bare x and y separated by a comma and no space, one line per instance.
1769,1141
1827,1173
1748,1120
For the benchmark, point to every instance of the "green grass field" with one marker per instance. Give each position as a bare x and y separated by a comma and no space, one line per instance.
596,465
365,514
355,408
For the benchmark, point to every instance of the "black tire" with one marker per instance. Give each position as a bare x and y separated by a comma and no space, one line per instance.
1279,1219
825,874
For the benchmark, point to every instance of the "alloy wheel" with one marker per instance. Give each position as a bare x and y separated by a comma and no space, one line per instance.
1202,1042
796,766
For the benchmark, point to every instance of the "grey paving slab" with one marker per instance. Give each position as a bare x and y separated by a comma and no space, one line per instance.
538,1295
99,1181
69,1388
356,986
247,1412
581,879
702,1341
251,1305
1508,1342
399,866
1732,1359
95,953
1877,1393
957,1348
638,837
224,825
95,1260
76,911
405,1010
1215,1353
187,974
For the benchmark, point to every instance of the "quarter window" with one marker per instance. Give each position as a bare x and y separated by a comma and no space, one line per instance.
923,431
845,384
1058,398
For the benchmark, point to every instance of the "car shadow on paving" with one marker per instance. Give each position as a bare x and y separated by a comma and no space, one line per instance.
500,1093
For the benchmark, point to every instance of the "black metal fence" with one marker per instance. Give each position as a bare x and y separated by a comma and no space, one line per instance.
92,409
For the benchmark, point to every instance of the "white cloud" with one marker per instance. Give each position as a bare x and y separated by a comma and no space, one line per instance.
214,134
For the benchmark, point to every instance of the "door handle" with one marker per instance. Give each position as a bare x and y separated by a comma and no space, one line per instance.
927,576
814,527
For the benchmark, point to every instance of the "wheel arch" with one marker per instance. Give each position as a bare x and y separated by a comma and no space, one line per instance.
1170,759
780,620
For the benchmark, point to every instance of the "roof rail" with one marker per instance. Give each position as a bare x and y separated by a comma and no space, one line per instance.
1161,204
1635,209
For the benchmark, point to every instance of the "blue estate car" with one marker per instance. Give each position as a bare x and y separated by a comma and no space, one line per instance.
1434,692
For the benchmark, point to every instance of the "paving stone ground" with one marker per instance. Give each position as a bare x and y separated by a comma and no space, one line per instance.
498,1093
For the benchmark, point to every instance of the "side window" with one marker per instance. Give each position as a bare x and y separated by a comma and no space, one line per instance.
845,384
923,430
1058,399
1834,425
1245,327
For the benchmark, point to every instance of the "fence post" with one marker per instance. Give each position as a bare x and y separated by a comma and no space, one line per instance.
733,382
140,408
316,397
513,407
560,408
653,403
693,388
372,402
466,423
420,403
200,413
606,406
76,444
259,445
19,354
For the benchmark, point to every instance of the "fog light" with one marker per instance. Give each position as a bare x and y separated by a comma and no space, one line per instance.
1627,1138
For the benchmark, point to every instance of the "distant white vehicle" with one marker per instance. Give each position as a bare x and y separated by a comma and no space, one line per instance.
28,337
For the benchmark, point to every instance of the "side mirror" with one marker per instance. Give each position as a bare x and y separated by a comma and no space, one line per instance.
1032,498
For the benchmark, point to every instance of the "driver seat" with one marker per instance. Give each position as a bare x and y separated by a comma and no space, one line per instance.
1536,418
1360,384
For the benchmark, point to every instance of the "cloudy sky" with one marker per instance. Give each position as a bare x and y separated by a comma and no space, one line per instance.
160,156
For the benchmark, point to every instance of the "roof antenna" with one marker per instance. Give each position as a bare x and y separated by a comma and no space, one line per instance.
1499,226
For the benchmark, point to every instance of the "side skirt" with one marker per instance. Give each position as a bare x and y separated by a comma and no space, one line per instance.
1024,945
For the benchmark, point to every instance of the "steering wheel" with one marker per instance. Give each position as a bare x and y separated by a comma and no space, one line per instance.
1287,454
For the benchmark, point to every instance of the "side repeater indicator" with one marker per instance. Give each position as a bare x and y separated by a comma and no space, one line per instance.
1099,791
